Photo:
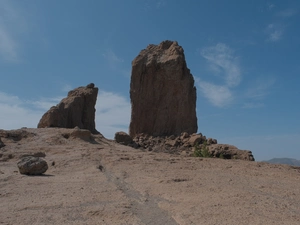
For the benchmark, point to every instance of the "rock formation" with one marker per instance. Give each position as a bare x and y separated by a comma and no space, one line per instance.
162,92
229,152
32,165
78,109
184,145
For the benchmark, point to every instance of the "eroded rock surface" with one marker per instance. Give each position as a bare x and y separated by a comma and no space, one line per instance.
162,92
77,109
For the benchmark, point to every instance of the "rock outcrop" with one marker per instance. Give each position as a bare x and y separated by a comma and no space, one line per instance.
229,152
82,134
32,165
162,92
184,144
77,109
15,135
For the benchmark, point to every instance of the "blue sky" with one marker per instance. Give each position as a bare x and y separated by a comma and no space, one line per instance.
244,55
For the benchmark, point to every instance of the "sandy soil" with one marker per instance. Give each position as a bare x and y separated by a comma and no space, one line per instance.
102,182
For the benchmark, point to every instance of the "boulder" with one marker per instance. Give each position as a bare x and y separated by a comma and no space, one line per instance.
82,134
184,135
123,138
32,165
77,109
162,92
211,141
1,144
230,152
196,139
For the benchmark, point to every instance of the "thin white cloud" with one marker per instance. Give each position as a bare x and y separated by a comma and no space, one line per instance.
160,4
12,23
44,104
153,4
7,43
287,13
112,59
66,88
270,6
116,63
274,32
224,65
261,88
112,113
16,113
218,95
8,49
276,35
6,98
222,61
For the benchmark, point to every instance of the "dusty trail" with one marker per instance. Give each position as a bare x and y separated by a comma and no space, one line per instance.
144,207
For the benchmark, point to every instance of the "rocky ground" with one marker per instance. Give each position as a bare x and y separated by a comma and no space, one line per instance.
92,180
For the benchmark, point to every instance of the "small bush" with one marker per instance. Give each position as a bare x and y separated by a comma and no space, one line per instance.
202,152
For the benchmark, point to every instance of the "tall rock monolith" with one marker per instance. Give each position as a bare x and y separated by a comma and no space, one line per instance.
162,92
77,109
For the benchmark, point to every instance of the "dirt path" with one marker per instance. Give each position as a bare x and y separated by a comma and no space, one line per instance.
144,207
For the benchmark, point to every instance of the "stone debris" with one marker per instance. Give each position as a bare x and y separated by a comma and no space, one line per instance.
184,144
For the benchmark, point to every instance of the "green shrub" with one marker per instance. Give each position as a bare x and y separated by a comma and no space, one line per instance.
202,152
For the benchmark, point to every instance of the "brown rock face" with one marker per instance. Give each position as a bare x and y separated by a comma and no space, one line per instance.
78,109
162,92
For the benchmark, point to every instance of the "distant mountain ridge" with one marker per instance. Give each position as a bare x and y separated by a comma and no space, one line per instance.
288,161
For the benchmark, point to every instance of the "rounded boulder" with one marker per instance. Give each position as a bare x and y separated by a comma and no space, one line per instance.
32,165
